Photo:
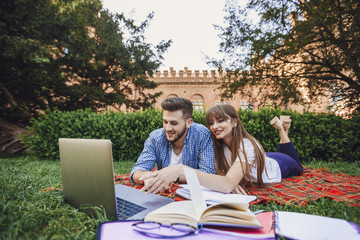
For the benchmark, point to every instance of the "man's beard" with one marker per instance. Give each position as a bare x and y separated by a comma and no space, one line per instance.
178,136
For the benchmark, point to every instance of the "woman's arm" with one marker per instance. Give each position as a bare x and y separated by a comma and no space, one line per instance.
225,184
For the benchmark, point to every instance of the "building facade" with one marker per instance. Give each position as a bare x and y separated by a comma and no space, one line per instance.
202,88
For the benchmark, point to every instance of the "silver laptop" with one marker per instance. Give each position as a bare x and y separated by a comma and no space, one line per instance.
88,180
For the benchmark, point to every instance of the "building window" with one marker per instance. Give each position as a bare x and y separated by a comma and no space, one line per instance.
198,102
251,106
267,105
335,93
246,105
221,102
198,106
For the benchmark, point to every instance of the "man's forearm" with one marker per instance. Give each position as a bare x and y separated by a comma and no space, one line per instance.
137,175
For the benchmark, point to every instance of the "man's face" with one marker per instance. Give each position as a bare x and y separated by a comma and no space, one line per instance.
175,126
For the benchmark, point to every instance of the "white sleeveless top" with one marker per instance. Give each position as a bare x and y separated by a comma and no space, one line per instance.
271,174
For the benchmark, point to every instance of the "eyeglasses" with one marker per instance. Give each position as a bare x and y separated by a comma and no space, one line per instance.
158,230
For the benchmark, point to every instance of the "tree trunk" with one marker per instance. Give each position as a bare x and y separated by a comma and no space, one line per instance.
9,137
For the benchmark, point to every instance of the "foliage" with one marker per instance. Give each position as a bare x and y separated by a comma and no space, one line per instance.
27,213
70,55
298,50
127,132
315,136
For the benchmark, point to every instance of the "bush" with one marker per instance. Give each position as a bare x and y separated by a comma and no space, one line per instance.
315,136
127,132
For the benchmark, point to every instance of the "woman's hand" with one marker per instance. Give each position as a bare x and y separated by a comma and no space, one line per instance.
239,190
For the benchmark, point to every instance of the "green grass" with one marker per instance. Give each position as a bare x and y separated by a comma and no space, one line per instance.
27,213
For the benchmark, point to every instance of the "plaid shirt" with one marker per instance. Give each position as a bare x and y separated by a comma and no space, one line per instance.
198,151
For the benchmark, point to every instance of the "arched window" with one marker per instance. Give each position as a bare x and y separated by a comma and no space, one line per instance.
171,95
198,102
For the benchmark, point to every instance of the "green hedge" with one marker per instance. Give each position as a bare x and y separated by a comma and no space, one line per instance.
127,132
315,136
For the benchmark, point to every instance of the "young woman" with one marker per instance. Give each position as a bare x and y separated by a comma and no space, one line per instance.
235,147
239,157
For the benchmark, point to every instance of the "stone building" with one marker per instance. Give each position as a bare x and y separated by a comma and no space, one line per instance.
201,87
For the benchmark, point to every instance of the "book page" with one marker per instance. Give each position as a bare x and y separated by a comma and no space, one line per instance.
229,214
175,212
195,191
306,226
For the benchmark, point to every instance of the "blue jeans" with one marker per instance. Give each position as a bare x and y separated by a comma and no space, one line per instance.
287,159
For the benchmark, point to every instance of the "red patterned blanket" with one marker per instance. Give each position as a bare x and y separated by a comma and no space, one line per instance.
125,180
312,184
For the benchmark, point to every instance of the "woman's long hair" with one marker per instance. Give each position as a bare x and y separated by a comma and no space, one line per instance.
226,111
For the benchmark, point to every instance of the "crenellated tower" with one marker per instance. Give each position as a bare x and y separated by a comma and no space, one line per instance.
201,87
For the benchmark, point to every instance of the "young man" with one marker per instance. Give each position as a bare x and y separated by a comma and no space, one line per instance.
180,141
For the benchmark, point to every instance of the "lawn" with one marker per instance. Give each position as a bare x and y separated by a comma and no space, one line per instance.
27,213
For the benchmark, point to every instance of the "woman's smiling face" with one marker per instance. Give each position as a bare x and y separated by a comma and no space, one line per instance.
221,128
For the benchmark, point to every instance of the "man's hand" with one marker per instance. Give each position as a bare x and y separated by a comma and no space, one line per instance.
147,184
239,190
148,179
159,181
148,176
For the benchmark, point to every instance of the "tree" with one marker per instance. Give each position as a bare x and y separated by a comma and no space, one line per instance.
70,55
296,47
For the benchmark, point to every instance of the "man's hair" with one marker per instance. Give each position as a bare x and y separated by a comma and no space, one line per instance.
178,103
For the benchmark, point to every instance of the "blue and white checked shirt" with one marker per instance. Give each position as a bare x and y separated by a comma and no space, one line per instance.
198,151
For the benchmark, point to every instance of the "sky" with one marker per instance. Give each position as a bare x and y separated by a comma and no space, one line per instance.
188,23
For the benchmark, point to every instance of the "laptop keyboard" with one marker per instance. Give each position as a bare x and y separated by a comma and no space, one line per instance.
126,209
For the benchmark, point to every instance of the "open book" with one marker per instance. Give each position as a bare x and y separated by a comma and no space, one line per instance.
196,213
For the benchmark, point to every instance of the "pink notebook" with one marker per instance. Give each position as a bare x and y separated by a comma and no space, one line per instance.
267,220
